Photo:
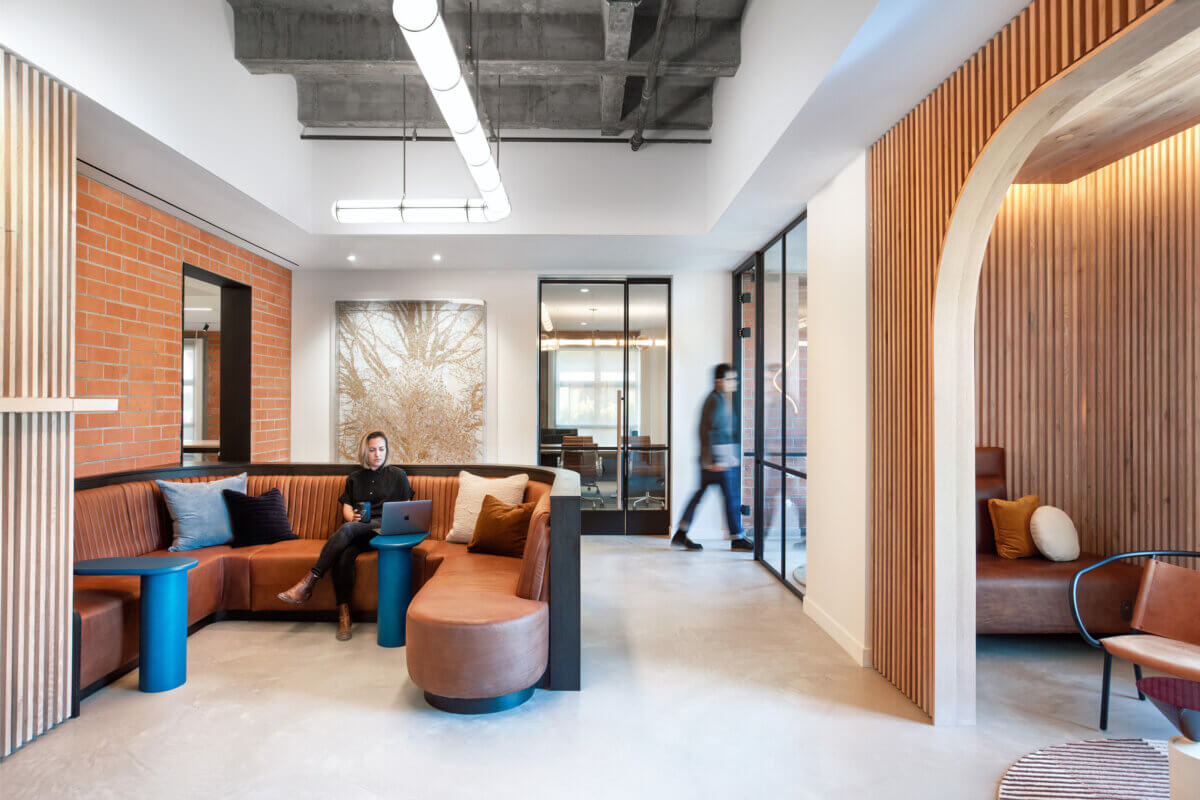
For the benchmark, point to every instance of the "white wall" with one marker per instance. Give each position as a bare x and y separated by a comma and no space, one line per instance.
701,337
168,68
838,533
787,49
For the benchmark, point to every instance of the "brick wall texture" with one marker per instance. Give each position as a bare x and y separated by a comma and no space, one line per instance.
128,328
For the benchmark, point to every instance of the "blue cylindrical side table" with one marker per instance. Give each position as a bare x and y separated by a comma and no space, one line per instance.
162,648
395,585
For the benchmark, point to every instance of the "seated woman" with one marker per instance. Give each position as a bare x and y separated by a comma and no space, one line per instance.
376,483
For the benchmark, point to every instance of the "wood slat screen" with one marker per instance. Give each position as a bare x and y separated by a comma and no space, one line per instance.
1088,347
917,172
37,296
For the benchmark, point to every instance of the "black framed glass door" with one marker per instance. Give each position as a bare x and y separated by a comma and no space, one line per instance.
604,391
771,354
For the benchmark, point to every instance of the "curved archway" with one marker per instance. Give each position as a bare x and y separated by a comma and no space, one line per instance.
937,181
954,313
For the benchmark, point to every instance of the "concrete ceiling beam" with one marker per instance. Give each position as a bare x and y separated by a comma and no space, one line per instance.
618,30
268,40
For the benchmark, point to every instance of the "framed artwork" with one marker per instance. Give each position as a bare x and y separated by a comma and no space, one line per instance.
416,370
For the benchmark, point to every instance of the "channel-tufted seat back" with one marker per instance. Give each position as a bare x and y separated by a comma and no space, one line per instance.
131,519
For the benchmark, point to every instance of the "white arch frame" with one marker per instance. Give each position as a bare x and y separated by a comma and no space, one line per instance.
954,341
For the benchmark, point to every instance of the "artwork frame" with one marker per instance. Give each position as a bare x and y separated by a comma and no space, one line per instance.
416,369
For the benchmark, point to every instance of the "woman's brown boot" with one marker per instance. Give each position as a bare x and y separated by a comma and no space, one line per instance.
301,591
343,631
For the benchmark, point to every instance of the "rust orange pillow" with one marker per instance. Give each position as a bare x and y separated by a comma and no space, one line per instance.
501,529
1010,519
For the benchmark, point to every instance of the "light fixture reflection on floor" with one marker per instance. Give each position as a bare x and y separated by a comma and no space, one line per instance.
425,34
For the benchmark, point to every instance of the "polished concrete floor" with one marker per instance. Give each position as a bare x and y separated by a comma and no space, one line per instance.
703,678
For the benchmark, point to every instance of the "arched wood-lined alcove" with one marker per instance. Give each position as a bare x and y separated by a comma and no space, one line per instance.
936,183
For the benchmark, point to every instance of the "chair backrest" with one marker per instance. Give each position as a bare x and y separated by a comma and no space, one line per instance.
1168,602
581,459
576,441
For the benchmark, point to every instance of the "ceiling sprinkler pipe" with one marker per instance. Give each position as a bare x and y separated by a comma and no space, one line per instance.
650,86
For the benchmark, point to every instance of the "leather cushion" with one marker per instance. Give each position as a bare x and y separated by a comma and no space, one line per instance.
276,567
1173,657
1010,519
989,484
1030,595
501,528
466,641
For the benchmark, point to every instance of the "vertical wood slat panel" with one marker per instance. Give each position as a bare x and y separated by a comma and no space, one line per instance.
37,297
1117,368
916,181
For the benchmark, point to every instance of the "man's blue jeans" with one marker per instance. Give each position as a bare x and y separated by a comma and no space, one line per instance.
727,481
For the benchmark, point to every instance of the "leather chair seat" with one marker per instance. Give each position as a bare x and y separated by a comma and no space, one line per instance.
1171,656
470,637
1030,595
429,555
276,567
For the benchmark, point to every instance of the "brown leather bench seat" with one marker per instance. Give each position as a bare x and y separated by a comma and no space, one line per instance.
1030,595
478,625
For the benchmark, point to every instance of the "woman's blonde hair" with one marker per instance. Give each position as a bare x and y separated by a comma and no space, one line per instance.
362,448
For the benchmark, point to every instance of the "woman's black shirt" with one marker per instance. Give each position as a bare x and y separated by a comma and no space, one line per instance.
387,484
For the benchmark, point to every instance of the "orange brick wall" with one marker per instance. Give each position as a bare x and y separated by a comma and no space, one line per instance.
128,329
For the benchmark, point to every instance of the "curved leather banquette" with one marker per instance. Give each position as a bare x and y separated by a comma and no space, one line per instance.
478,626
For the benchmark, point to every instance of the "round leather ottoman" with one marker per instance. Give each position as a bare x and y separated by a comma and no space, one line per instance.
475,651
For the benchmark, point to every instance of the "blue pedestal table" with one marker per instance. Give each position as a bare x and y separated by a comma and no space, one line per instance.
163,644
395,585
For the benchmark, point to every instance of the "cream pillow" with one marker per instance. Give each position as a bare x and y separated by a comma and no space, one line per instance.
471,491
1054,534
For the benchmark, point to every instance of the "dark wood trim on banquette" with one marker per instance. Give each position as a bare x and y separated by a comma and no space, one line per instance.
563,668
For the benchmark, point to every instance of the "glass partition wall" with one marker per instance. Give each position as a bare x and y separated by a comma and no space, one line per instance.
771,352
604,397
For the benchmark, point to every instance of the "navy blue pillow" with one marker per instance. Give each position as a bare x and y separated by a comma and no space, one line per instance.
257,520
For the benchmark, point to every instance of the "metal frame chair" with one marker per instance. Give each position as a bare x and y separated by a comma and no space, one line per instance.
1073,598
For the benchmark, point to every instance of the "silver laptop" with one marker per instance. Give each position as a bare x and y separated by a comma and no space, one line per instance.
408,516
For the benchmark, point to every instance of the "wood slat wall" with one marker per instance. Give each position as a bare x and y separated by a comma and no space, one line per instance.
37,296
1088,347
917,172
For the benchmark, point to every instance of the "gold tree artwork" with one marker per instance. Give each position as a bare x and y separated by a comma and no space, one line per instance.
416,370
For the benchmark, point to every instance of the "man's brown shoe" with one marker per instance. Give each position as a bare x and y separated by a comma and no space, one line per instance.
301,591
343,631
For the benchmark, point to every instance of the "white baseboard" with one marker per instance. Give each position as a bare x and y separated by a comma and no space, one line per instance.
857,650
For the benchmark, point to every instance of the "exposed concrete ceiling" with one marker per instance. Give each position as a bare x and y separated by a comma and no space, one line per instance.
544,64
1155,99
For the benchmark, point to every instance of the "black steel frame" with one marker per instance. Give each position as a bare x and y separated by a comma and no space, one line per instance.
756,264
601,521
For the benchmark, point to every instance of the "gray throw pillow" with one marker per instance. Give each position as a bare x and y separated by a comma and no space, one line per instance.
198,511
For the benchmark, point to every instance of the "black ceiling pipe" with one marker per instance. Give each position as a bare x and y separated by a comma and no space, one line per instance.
648,89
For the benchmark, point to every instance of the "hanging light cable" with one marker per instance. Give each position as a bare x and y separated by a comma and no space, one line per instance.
425,34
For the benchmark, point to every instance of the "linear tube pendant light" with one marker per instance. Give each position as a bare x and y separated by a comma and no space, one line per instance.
425,33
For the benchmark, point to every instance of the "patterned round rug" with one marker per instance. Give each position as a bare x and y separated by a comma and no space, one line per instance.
1103,769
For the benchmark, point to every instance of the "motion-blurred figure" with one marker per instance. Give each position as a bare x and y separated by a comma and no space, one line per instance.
718,461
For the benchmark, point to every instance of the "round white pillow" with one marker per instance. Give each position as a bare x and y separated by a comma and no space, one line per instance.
1054,534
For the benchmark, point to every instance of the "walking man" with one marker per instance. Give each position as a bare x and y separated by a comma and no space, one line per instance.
718,461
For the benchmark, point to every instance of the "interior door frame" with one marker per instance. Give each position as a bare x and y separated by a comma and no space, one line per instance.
621,521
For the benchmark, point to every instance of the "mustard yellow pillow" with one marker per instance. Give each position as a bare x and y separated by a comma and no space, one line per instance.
1010,519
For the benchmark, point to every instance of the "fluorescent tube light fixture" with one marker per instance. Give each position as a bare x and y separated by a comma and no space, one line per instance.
425,34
